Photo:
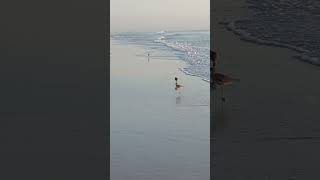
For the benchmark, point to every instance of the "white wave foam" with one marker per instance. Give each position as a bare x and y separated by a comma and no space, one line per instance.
190,47
245,36
309,59
292,24
161,38
161,32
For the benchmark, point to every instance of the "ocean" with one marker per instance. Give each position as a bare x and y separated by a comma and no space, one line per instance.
190,46
294,24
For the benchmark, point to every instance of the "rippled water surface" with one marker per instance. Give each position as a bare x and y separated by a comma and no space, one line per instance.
294,24
191,46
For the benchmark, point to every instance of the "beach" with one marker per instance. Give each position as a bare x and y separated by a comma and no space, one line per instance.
269,126
156,132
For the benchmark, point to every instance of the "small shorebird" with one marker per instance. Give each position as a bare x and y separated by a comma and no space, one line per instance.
219,78
178,86
222,80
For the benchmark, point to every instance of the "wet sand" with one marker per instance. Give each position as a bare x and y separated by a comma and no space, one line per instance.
156,132
269,126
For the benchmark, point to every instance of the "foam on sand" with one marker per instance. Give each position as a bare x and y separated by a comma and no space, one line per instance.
293,24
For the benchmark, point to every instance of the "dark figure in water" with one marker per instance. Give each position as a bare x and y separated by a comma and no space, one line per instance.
213,56
219,78
178,86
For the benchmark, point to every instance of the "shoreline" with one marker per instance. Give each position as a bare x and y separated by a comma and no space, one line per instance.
177,46
271,110
243,35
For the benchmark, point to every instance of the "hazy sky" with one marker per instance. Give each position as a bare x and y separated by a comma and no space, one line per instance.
156,15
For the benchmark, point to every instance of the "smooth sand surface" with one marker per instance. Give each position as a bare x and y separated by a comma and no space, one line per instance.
269,126
156,132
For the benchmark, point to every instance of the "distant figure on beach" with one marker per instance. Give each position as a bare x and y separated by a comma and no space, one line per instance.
219,78
148,57
213,56
178,86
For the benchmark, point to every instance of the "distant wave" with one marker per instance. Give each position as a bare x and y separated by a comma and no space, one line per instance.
245,36
161,38
175,46
161,32
292,24
190,46
197,57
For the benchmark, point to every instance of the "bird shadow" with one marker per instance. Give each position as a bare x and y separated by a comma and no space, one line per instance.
219,119
178,100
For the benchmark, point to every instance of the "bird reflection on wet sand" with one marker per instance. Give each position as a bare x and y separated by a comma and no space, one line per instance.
178,100
219,121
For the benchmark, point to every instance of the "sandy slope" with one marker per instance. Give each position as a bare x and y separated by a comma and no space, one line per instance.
269,126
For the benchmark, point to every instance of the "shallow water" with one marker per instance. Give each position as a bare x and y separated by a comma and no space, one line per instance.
156,132
190,46
293,24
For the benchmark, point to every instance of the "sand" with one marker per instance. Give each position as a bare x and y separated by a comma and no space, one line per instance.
156,132
269,126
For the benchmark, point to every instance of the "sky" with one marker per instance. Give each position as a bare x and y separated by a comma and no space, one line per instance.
157,15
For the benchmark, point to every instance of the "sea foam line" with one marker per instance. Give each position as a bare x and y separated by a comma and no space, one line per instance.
245,36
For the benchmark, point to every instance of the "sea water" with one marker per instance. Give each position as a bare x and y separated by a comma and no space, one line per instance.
293,24
190,46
